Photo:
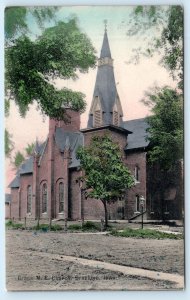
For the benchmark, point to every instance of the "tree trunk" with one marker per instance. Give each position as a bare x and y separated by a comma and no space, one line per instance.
106,214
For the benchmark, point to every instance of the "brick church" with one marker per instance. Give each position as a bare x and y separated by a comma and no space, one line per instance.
46,184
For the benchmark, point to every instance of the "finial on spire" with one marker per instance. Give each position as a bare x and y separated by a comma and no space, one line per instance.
105,23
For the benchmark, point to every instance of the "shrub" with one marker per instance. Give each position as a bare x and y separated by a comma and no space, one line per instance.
56,227
87,226
43,227
74,227
11,224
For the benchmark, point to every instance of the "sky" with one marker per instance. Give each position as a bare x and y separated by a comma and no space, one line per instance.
132,80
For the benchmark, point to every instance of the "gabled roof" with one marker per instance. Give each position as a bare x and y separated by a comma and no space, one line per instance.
15,183
69,140
138,138
7,198
27,166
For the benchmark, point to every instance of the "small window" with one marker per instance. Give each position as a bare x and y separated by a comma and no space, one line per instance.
137,203
29,199
44,198
136,173
61,197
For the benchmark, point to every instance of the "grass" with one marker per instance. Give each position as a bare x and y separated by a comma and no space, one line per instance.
42,227
74,227
87,226
10,224
45,227
146,233
90,226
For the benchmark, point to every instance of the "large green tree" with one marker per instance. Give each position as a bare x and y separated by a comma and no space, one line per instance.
16,20
165,127
161,28
164,25
31,66
105,175
17,25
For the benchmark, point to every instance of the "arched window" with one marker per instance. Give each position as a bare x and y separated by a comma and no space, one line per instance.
136,173
29,199
61,197
44,198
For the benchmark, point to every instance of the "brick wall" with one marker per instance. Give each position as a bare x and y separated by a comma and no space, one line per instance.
74,196
93,208
15,203
25,181
165,193
59,166
7,210
72,124
132,160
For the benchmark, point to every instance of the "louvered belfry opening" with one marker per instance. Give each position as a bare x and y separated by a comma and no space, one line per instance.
97,118
106,107
115,118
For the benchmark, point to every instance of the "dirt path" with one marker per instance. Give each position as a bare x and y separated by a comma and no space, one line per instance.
177,279
68,261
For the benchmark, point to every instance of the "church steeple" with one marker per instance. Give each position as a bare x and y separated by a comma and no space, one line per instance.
106,107
105,51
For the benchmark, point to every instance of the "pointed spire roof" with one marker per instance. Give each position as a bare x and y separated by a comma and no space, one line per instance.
105,86
105,51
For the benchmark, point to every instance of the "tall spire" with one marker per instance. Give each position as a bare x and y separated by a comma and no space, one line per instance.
106,107
105,51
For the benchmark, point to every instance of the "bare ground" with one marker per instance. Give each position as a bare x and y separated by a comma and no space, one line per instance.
26,270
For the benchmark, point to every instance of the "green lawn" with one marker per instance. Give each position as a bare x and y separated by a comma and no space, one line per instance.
146,233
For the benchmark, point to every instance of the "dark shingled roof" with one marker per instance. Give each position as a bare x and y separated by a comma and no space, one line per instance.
7,198
138,138
15,183
105,51
105,87
63,140
27,166
72,140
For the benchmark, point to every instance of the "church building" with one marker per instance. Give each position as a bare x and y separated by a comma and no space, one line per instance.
46,185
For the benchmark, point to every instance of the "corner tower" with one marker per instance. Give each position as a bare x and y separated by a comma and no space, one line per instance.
106,106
